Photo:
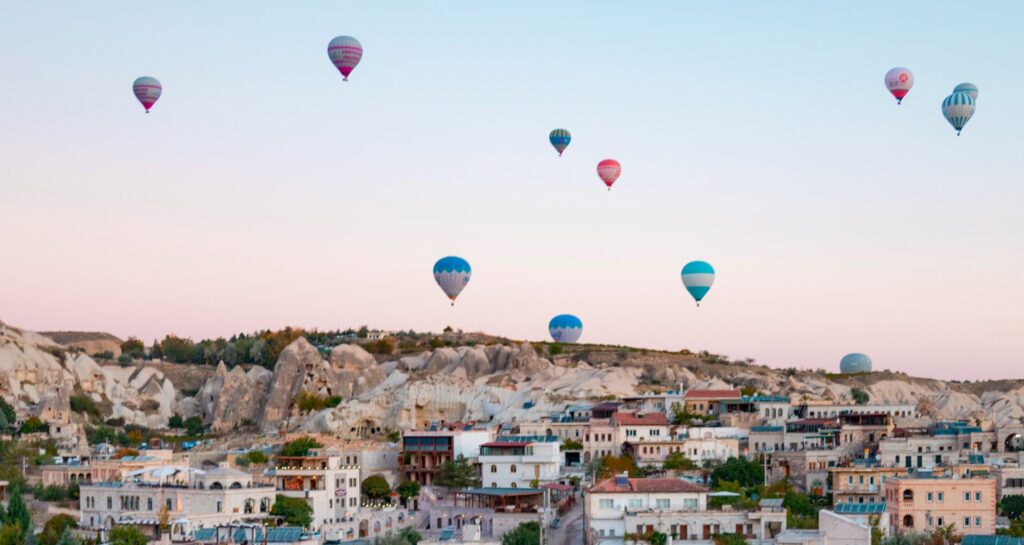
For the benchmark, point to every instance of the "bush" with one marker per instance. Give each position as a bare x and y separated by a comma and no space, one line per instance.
294,511
55,527
300,446
124,360
257,457
105,355
408,490
739,470
860,397
194,426
572,444
527,533
375,487
127,535
308,402
33,425
1012,506
175,422
134,348
679,461
383,346
84,404
555,349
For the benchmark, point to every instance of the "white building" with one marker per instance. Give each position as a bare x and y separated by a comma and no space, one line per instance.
620,506
330,487
518,461
190,498
833,529
638,427
827,409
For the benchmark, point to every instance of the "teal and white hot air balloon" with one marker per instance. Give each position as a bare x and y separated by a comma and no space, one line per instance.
969,88
565,328
698,276
958,109
452,274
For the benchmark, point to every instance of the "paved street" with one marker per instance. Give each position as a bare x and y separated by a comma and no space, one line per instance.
571,530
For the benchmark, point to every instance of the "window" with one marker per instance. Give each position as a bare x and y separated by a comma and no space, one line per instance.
220,507
110,502
849,479
977,521
941,496
352,483
967,496
941,520
635,503
977,496
352,502
170,505
494,469
513,468
662,503
690,503
931,496
967,522
630,433
514,485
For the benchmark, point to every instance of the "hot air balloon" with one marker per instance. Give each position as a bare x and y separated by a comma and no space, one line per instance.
609,171
565,328
345,52
560,139
452,274
899,81
855,363
958,109
969,88
698,276
147,90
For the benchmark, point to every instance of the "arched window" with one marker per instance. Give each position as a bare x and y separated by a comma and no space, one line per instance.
236,485
250,505
216,486
494,469
514,485
908,495
908,521
513,469
264,505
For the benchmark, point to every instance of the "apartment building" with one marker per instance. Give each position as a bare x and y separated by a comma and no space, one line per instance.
922,502
638,427
424,451
520,461
862,483
330,487
709,402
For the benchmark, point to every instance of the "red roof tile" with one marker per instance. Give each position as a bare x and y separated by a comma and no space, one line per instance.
640,419
648,486
713,394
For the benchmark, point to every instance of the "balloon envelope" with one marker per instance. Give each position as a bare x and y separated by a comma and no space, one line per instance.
147,90
565,328
560,139
609,171
345,52
969,88
452,274
698,276
899,81
958,109
855,363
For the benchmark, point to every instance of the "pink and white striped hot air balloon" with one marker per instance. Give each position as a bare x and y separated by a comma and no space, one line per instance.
609,171
345,52
899,81
147,90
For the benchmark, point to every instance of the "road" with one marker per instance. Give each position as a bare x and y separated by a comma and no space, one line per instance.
571,530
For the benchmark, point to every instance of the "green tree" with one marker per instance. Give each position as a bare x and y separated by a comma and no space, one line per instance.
175,422
679,461
657,538
300,446
178,350
8,411
17,512
746,473
194,426
54,529
67,538
555,349
527,533
800,510
134,348
127,535
375,487
11,534
1012,506
156,352
572,444
84,404
410,535
457,473
32,425
408,490
860,397
294,511
257,457
729,539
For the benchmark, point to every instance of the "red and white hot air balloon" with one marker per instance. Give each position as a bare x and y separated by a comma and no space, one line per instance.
609,171
899,81
147,90
345,52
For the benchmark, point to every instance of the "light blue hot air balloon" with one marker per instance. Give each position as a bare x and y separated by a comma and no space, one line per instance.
560,139
855,363
698,276
565,328
452,274
958,109
969,88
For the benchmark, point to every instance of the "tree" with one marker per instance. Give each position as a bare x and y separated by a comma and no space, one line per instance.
375,487
194,426
408,490
746,473
127,535
405,536
860,397
155,352
32,425
748,390
410,535
11,534
8,411
729,539
527,533
800,510
294,511
256,457
134,348
572,444
67,538
617,465
1012,506
300,446
457,473
657,538
17,512
175,422
54,529
679,461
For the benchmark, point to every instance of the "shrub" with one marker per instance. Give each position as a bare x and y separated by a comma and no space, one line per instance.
300,446
860,397
33,425
294,511
257,457
83,404
375,487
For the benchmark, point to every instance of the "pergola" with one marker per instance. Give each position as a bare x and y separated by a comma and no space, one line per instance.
507,500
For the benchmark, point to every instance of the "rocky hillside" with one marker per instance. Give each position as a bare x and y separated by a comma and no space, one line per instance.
352,393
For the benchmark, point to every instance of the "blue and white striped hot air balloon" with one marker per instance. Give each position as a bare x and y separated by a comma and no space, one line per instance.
560,139
698,276
565,328
452,274
958,109
969,88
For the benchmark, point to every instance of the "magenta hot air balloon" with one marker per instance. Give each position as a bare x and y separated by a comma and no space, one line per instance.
345,52
147,90
609,171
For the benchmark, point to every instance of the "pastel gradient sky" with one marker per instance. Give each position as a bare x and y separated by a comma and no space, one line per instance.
263,191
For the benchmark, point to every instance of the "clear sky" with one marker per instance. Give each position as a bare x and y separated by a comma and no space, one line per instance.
263,191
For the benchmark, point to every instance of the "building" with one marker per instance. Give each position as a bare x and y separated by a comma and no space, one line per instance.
115,469
65,474
922,502
639,427
424,451
767,409
833,529
372,457
708,402
829,409
1010,477
330,487
520,461
618,507
655,403
808,470
698,444
861,483
188,497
